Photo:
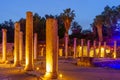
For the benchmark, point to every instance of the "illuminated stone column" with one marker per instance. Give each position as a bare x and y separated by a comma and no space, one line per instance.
104,49
82,44
4,43
16,44
35,46
74,55
21,46
58,45
88,48
94,49
42,51
115,48
51,48
66,45
60,52
79,50
29,42
99,52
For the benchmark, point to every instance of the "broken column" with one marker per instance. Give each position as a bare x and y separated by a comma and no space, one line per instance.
29,42
35,46
16,44
4,43
51,48
74,55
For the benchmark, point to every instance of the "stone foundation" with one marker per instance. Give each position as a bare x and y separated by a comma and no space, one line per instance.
84,61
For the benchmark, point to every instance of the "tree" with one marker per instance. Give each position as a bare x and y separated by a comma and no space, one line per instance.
67,16
88,35
112,15
99,21
76,28
61,28
49,16
9,25
38,26
110,24
110,19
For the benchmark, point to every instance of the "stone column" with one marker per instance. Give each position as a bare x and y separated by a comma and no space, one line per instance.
94,48
115,48
99,52
74,55
88,48
35,46
42,51
16,44
21,46
58,45
51,48
4,43
60,52
79,50
104,49
82,44
66,45
29,42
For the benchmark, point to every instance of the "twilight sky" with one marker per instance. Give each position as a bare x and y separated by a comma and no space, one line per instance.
85,10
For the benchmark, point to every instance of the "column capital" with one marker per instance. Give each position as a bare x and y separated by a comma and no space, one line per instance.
66,34
4,30
17,26
29,13
75,38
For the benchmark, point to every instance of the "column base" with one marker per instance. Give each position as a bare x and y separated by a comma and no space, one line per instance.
4,61
50,75
17,64
28,68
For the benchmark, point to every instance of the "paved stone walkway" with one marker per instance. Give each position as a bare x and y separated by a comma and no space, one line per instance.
67,68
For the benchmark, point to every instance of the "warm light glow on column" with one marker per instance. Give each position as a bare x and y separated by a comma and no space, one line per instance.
94,48
66,45
35,46
115,48
21,46
51,48
42,50
58,45
74,55
88,48
29,41
4,43
102,52
79,51
60,52
82,44
104,49
16,44
99,46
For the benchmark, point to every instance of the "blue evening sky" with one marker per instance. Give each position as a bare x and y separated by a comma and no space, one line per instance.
85,10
